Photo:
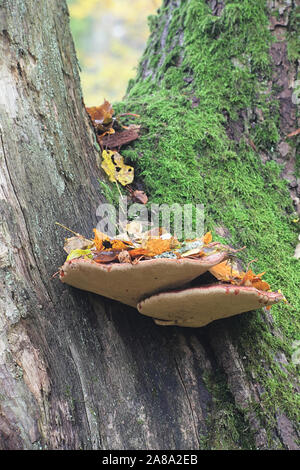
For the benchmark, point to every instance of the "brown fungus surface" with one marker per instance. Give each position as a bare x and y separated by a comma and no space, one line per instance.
129,283
198,306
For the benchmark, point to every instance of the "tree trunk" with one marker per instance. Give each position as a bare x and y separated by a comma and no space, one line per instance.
78,371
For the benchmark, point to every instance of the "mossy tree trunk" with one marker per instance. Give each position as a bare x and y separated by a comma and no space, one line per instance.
216,100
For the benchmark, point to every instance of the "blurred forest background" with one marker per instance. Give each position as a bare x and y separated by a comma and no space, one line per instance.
110,36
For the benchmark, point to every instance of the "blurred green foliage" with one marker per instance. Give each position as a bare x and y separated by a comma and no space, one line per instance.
110,36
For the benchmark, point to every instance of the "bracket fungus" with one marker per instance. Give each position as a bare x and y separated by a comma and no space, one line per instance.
147,281
198,306
129,283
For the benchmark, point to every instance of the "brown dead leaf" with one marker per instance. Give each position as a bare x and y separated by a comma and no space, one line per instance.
76,243
139,197
254,280
101,114
252,144
156,246
119,245
118,139
152,247
293,134
105,256
225,272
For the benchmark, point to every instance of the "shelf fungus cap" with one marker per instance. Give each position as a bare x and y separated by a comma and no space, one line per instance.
198,306
129,283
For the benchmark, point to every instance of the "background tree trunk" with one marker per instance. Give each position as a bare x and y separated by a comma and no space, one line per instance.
78,371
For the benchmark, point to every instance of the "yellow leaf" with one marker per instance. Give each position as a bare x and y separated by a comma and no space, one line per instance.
114,167
78,253
99,239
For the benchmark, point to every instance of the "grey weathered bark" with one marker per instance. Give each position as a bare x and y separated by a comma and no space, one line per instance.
78,371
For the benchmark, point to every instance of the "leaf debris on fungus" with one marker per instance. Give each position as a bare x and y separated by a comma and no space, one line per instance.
79,243
239,291
79,253
225,272
106,256
124,257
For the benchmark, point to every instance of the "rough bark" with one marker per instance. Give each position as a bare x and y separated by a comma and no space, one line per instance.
78,371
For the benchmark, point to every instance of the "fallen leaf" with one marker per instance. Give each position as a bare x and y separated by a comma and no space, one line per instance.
105,256
191,247
119,245
120,138
138,252
77,242
114,167
134,228
103,242
79,253
225,272
154,246
104,133
124,257
293,134
254,280
252,144
155,232
195,251
99,240
139,197
101,114
207,238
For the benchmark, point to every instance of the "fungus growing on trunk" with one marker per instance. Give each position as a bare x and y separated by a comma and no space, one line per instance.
198,306
144,274
129,283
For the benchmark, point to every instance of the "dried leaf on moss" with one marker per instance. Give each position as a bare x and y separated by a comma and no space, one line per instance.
139,197
294,133
101,114
114,167
120,138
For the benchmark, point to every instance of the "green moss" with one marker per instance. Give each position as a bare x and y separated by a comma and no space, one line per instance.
110,192
227,428
185,155
294,35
